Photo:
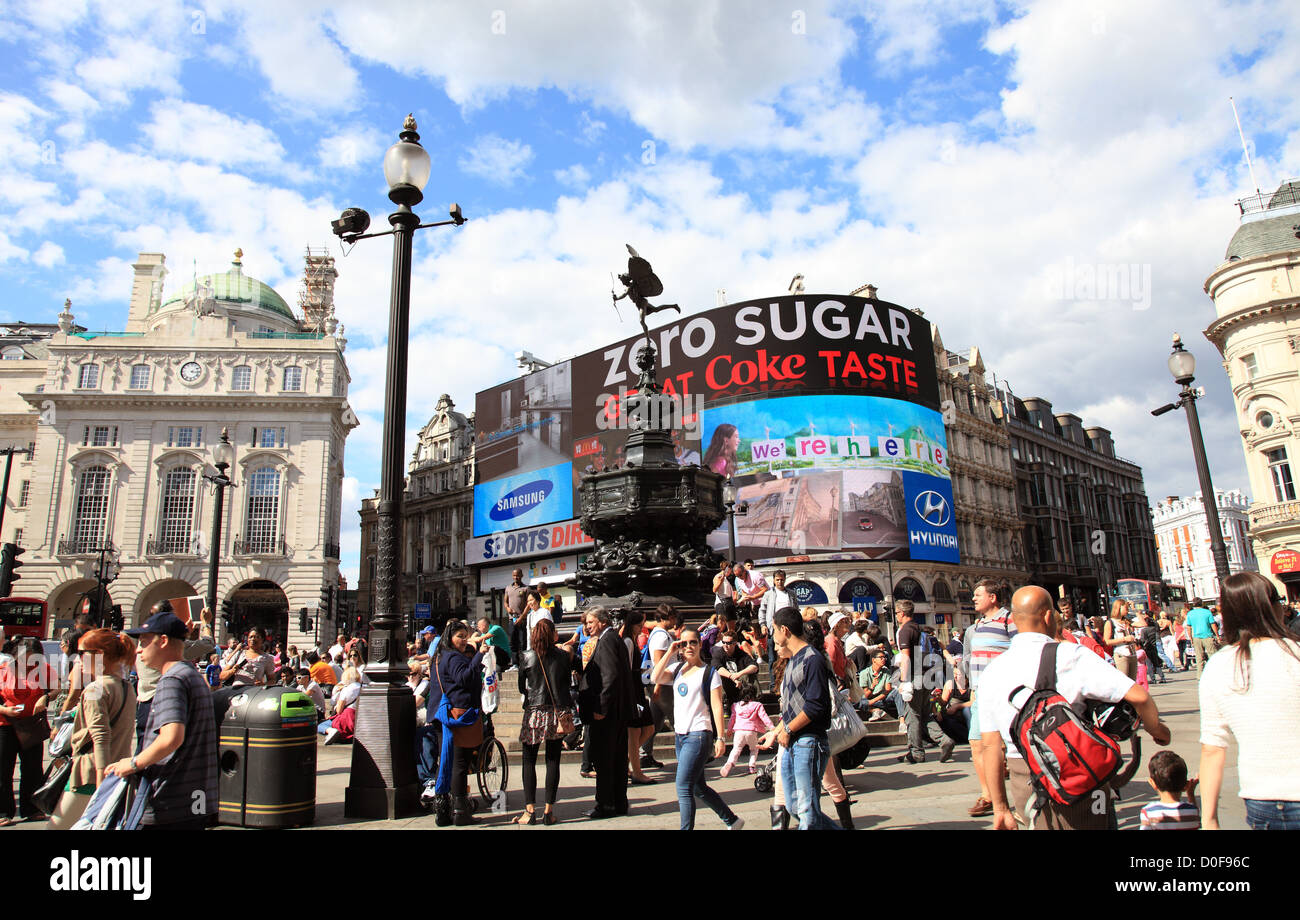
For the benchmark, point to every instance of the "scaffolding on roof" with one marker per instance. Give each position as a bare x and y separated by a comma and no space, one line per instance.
316,299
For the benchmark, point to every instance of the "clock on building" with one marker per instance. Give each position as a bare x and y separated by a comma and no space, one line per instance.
190,371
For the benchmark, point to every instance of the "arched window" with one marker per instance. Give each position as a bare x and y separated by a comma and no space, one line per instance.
177,521
91,510
263,510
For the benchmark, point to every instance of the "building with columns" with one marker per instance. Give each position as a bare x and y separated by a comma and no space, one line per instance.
437,519
1183,540
1256,295
125,428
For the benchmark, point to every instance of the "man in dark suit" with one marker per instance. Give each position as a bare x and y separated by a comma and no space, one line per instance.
605,701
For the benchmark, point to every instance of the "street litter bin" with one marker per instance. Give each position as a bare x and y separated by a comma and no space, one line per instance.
267,774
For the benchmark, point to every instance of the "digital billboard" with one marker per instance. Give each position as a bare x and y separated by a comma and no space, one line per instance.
823,409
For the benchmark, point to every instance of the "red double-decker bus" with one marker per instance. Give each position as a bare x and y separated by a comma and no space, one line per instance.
23,616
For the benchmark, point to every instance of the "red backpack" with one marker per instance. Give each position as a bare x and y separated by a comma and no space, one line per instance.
1067,757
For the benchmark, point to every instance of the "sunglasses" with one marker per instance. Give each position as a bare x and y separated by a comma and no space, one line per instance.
690,642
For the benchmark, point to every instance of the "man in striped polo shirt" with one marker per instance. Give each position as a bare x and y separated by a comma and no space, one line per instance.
985,640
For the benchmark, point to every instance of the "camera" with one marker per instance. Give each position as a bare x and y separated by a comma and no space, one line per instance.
352,222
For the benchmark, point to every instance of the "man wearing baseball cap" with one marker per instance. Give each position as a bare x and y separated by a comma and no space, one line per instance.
179,758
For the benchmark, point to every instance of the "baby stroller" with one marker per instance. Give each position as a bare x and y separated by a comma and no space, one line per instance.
763,780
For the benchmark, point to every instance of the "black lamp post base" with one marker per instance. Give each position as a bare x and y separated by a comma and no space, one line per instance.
384,784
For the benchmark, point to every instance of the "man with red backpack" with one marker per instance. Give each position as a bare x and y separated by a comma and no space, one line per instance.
1032,701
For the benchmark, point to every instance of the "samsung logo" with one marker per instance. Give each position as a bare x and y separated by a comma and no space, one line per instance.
521,500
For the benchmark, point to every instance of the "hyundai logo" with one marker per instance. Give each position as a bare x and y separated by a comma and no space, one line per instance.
933,508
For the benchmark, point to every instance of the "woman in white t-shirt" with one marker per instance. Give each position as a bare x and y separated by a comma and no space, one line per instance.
1248,692
534,614
1118,637
697,709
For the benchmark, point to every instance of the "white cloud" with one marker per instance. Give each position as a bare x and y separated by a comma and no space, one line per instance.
296,46
350,148
496,159
48,255
130,64
575,176
591,129
187,130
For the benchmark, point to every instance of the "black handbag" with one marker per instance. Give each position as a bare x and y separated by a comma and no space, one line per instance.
31,730
46,798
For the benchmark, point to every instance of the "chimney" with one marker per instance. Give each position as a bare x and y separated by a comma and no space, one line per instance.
146,290
1171,498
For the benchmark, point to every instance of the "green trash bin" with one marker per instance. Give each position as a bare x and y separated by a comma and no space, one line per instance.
267,775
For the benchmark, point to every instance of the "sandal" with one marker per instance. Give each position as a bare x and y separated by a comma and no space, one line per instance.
5,822
646,781
548,818
528,817
587,774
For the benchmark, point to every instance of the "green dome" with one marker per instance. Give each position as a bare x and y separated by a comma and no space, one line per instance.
234,287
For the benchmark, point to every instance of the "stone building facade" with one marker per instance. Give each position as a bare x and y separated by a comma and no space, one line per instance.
126,424
437,519
1256,295
1183,540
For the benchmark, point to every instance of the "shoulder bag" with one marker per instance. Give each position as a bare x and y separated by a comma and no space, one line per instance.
46,798
463,736
846,728
563,716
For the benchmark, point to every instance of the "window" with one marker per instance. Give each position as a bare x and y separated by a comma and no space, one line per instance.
99,436
139,376
269,436
24,492
18,536
293,378
13,353
263,510
1283,487
184,436
177,521
241,378
1249,363
88,378
90,511
31,451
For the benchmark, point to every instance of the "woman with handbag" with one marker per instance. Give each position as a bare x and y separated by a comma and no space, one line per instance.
548,714
1119,639
251,665
104,728
458,676
25,683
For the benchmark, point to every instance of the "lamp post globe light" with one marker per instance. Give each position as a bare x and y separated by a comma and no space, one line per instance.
1182,365
223,455
383,781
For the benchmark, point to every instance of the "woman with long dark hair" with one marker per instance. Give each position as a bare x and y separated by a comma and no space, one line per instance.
1249,694
548,714
641,727
721,455
458,676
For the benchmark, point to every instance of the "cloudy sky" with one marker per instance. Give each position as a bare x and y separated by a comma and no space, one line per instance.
977,160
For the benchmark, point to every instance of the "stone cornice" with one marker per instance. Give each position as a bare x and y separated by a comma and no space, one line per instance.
1219,329
134,400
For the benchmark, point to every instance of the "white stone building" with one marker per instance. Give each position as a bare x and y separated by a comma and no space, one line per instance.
1256,294
1183,540
127,425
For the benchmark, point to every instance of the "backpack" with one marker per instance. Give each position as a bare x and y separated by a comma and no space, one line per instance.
647,663
1067,756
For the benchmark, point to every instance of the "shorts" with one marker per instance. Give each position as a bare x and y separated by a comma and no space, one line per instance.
974,734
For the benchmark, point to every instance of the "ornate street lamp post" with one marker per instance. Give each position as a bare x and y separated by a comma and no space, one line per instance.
383,781
223,455
1182,364
729,493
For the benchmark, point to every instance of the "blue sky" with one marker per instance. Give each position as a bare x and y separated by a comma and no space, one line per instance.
958,154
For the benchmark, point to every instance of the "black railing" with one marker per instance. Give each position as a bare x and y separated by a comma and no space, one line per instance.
1285,195
268,547
172,547
85,547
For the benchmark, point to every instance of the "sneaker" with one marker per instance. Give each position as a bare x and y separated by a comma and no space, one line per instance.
428,795
736,825
331,735
726,770
876,715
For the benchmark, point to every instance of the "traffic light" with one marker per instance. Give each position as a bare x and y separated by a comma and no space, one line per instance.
304,624
227,611
326,599
115,621
9,563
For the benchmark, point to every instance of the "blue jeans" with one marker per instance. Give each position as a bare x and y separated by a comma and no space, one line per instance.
802,765
693,752
1262,815
428,748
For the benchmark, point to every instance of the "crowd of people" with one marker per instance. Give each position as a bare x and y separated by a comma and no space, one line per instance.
142,702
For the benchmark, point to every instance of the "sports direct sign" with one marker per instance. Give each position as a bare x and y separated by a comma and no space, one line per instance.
824,410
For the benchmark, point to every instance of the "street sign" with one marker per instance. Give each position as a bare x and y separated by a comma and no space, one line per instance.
424,611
